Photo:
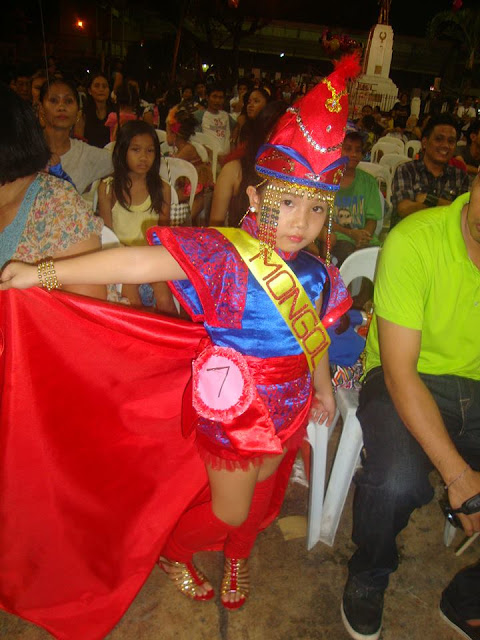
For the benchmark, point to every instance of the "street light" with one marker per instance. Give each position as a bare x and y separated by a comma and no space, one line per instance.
80,24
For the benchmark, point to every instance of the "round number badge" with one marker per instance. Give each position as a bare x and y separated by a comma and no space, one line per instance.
222,384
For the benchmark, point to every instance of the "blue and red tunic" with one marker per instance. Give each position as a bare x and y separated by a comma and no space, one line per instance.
223,294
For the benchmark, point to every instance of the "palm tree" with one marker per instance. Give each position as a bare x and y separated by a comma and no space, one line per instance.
462,26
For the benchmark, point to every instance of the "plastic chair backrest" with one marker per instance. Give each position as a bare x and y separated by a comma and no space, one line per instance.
109,241
381,148
179,168
383,176
91,196
412,148
201,150
360,264
389,139
212,145
109,238
392,160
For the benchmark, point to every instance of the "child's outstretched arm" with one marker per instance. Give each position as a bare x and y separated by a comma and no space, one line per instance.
129,265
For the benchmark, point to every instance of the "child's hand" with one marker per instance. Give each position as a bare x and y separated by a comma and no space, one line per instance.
17,275
323,407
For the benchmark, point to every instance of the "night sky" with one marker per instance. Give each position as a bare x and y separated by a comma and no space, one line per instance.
408,17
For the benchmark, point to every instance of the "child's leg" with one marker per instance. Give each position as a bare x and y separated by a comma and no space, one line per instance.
240,540
209,523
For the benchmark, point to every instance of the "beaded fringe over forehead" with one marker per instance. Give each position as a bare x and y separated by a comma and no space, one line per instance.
267,229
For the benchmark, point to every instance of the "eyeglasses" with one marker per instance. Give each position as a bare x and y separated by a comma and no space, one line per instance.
469,507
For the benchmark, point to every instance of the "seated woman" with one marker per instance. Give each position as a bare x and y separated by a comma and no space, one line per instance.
253,103
41,217
230,200
180,128
58,112
91,125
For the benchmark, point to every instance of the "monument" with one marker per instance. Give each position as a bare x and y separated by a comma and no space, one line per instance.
374,86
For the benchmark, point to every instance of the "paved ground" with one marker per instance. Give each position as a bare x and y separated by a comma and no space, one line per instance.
296,594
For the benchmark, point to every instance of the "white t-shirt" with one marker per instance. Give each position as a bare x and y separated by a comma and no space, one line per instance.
85,164
217,126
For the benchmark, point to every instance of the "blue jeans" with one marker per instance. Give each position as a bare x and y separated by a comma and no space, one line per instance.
394,478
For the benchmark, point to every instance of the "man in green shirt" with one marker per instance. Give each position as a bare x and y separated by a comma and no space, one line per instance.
420,404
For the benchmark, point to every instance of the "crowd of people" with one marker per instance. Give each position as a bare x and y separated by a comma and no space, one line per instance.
289,199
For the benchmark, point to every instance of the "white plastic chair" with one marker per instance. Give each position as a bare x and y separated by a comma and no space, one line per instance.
109,241
179,168
201,150
412,148
384,180
392,160
210,144
325,508
379,149
390,139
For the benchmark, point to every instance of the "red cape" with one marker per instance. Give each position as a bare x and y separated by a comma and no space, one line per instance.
94,472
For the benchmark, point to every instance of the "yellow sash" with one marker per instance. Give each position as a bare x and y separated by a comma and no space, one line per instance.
287,294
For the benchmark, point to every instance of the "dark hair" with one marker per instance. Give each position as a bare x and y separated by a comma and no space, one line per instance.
354,136
23,149
121,180
214,87
436,121
127,95
186,122
257,132
40,73
94,76
368,122
46,86
473,128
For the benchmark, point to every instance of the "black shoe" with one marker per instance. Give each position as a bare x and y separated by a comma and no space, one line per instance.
448,613
362,610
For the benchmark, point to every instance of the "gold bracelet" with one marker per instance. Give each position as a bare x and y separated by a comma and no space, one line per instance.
47,275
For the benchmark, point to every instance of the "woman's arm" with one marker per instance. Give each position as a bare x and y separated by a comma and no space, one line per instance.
226,187
164,215
129,265
105,204
79,127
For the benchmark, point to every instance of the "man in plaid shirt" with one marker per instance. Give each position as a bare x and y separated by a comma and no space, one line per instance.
431,181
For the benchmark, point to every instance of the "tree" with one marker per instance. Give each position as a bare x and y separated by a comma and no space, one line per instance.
220,23
462,27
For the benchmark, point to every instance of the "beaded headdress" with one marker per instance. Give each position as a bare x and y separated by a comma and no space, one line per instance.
303,153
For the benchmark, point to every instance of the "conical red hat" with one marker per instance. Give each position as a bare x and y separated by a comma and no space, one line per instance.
305,146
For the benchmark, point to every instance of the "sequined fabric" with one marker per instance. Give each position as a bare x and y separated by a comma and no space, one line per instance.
237,313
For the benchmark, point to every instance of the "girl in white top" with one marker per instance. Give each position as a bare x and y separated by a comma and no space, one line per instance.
134,198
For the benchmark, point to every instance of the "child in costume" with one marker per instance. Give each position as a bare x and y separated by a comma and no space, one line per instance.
265,361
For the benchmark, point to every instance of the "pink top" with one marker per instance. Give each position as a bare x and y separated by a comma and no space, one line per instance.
113,120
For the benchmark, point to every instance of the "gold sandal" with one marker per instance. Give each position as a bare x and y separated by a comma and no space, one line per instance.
235,580
186,578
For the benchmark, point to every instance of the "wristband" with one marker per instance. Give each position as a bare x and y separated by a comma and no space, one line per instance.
431,200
